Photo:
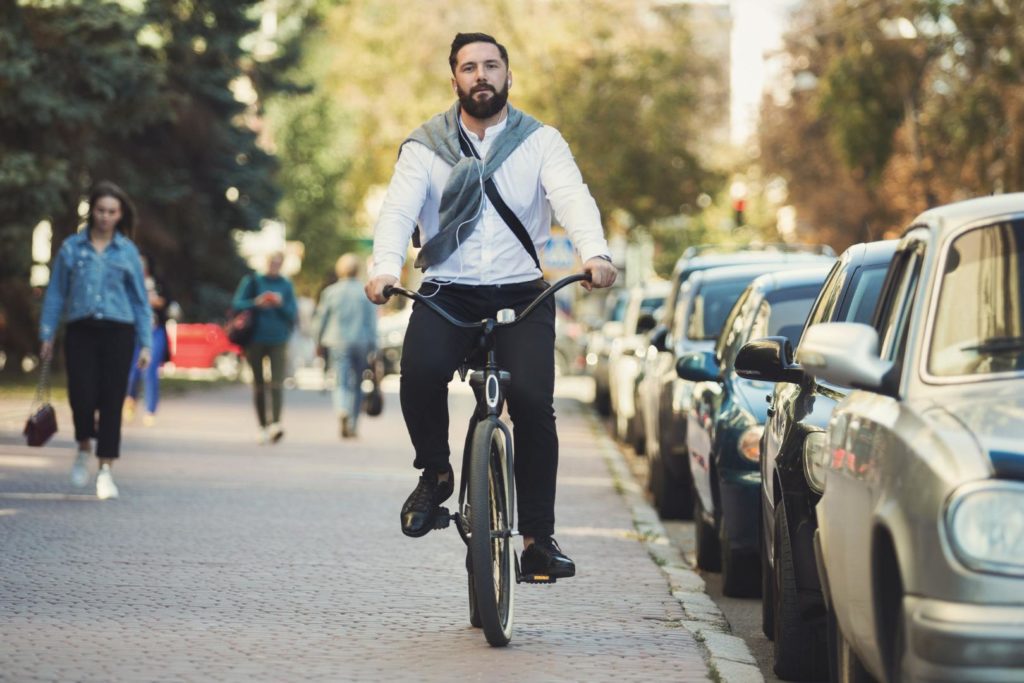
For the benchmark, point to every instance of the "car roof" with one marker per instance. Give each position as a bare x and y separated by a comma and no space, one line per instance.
871,253
714,260
749,271
951,217
790,279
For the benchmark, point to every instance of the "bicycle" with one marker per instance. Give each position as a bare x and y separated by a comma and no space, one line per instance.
488,480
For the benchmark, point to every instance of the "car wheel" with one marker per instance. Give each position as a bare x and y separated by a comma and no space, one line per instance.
709,556
801,650
767,592
672,497
741,576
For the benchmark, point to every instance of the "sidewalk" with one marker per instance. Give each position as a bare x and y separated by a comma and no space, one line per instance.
224,560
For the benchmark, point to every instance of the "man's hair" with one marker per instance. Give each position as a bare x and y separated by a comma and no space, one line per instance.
464,39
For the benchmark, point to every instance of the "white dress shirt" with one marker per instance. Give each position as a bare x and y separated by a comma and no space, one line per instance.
538,177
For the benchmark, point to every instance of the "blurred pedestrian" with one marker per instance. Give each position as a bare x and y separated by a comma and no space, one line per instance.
160,302
98,287
272,300
347,328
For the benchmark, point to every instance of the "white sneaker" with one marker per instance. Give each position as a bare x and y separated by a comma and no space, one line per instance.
80,470
105,486
263,437
275,431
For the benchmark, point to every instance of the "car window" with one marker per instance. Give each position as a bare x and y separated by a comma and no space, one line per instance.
733,334
979,319
783,313
896,319
829,296
711,304
865,288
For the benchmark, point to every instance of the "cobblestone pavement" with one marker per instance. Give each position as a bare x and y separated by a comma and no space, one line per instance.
225,560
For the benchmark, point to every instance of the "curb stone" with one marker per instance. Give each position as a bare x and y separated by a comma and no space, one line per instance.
728,657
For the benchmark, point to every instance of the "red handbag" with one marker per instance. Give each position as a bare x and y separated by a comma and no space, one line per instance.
42,422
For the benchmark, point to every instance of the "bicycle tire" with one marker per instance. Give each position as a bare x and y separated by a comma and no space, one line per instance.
490,494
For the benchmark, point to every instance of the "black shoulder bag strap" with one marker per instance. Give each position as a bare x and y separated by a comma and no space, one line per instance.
507,214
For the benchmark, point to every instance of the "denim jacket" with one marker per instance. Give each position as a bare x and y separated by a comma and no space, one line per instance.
345,316
85,283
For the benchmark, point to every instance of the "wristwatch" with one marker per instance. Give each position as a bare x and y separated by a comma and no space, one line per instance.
605,257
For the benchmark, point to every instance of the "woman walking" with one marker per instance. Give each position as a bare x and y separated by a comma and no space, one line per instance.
272,299
97,286
160,302
347,328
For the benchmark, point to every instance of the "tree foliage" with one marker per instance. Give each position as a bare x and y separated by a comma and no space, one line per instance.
619,80
895,106
143,96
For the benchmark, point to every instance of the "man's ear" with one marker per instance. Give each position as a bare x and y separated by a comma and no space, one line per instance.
455,86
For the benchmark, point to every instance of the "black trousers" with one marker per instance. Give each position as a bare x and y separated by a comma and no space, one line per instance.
434,349
98,354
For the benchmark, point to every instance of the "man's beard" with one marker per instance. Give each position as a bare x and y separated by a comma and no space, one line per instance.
482,109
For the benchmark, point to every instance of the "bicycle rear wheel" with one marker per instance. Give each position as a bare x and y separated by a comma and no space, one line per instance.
490,541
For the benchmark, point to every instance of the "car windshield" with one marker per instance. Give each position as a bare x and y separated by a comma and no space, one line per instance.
783,313
979,322
711,306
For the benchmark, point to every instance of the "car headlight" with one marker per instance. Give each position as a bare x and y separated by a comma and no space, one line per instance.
816,457
985,522
749,444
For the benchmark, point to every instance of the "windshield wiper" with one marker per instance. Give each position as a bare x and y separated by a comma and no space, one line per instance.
997,345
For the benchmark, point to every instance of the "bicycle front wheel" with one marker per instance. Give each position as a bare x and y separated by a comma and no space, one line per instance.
490,541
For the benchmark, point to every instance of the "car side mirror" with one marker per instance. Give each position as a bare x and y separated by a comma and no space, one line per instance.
645,323
845,354
769,360
658,337
698,366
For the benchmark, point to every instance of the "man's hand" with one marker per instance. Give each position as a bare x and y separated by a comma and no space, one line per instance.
46,350
144,358
375,288
602,273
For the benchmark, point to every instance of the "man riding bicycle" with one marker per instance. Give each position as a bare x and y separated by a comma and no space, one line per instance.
480,183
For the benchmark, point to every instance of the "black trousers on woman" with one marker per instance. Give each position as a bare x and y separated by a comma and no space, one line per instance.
433,351
98,354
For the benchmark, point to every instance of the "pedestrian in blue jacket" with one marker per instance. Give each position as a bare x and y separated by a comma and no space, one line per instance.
97,286
347,328
272,299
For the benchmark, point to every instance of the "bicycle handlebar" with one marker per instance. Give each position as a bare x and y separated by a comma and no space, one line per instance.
416,296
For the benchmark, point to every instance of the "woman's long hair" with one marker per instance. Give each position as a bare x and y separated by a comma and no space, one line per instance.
105,188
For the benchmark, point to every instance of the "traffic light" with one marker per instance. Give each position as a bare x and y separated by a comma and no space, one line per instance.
739,204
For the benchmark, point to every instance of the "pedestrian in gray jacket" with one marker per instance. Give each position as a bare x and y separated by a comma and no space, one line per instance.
347,328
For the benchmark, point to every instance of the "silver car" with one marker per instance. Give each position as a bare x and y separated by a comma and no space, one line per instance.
920,542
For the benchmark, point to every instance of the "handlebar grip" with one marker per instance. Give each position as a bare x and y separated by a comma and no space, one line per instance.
388,291
588,276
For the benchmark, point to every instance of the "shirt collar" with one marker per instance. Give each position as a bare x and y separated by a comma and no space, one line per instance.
490,132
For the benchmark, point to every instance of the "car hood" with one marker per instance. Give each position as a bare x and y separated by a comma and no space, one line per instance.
751,394
995,417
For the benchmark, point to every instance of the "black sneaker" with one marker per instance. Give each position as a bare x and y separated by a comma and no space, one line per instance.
545,559
420,510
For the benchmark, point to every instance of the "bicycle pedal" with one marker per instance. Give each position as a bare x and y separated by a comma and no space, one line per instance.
536,578
442,518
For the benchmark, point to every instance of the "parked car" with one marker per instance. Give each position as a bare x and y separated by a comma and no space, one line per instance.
390,337
920,535
792,606
725,422
599,342
623,360
689,323
203,346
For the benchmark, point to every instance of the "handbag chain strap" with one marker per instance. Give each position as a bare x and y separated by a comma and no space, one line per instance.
42,396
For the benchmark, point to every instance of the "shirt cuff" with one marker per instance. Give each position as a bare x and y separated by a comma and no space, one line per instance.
586,255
